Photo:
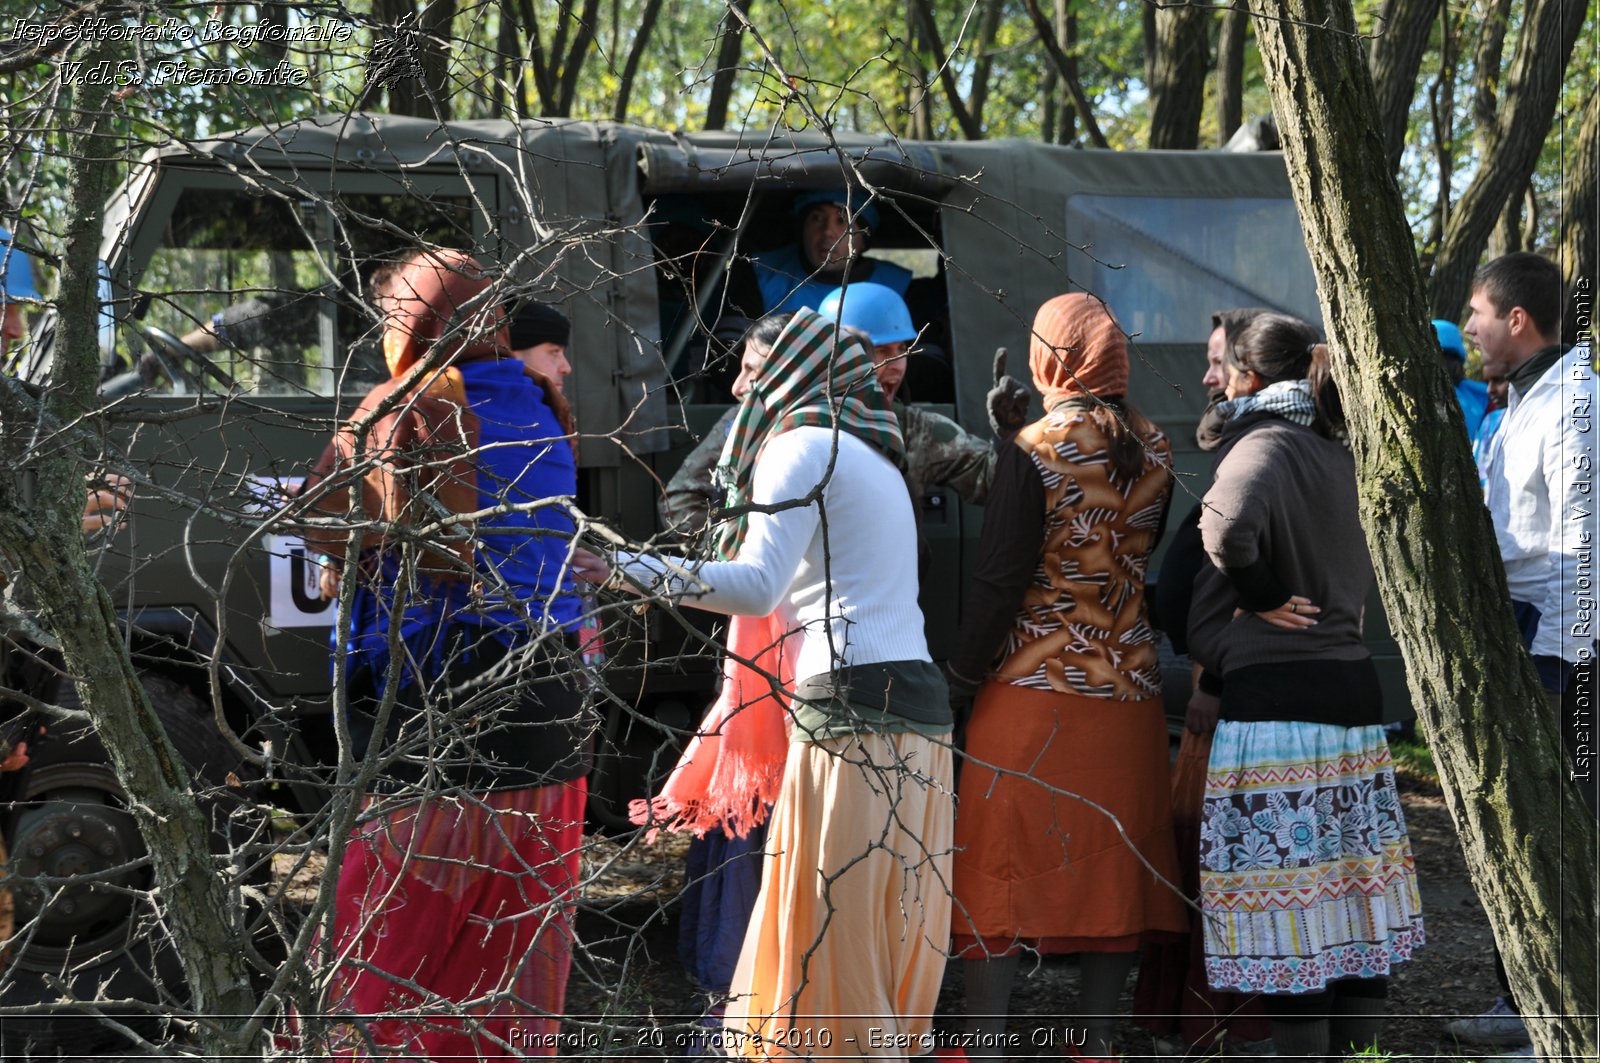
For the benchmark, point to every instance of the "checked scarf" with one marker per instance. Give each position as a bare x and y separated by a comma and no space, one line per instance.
814,376
1289,399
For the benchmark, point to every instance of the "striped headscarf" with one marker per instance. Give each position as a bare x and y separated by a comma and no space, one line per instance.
816,376
1077,348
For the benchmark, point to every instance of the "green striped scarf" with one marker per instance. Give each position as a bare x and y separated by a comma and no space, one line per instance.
816,375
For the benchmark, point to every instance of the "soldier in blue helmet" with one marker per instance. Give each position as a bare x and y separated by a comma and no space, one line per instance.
1473,395
881,313
938,450
16,275
108,492
829,250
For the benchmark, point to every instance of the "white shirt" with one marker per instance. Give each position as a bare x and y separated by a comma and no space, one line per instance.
1540,486
843,572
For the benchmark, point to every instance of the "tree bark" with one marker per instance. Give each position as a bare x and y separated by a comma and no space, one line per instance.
1230,72
1580,226
1527,106
1067,70
1486,61
43,536
1177,93
1496,745
1147,30
1506,239
1396,57
727,65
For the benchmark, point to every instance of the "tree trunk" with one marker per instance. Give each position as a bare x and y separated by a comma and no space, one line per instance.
1506,239
727,65
929,30
1147,30
1396,57
1496,745
647,26
983,65
1527,106
1442,110
544,64
1580,224
1177,94
1067,70
578,54
43,535
1230,72
436,91
1491,46
510,101
919,117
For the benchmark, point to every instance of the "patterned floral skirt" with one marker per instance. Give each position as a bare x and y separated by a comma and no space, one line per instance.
1306,874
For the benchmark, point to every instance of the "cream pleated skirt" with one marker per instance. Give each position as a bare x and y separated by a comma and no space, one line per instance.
848,941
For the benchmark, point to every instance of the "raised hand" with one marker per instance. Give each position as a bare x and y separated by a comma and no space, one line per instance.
1007,401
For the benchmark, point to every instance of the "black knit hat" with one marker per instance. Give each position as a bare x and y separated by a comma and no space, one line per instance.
536,323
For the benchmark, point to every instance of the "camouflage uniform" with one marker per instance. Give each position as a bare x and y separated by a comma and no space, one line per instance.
938,451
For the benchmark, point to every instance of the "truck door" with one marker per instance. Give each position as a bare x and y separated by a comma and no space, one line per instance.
242,310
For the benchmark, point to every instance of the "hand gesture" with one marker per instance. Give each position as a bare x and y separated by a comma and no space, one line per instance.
1007,400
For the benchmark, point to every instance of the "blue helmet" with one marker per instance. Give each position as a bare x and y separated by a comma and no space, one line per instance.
1450,341
16,271
859,204
872,308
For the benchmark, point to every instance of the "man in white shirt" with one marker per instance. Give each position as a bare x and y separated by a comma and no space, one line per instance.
1539,484
1539,471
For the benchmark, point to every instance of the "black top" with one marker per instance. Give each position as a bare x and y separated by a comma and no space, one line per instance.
1008,554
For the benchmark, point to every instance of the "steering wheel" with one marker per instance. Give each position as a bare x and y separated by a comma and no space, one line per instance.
170,351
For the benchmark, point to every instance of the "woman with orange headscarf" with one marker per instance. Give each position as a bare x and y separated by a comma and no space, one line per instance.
1067,730
452,926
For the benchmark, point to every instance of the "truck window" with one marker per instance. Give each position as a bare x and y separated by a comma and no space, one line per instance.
1168,263
282,283
707,291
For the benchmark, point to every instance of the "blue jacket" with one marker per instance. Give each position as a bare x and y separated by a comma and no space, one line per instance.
1473,395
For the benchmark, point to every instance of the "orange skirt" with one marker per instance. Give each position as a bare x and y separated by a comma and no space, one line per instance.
1037,863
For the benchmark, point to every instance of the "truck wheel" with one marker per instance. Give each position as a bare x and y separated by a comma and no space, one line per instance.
82,922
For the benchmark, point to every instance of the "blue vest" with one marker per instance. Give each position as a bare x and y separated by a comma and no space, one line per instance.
787,283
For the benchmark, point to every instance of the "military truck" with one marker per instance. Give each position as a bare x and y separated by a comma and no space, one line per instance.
270,236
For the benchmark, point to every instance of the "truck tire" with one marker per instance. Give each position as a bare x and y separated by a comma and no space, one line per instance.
100,939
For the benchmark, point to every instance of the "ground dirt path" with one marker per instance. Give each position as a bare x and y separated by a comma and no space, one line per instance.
629,930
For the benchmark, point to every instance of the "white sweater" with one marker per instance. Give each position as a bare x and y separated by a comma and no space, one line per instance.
850,587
